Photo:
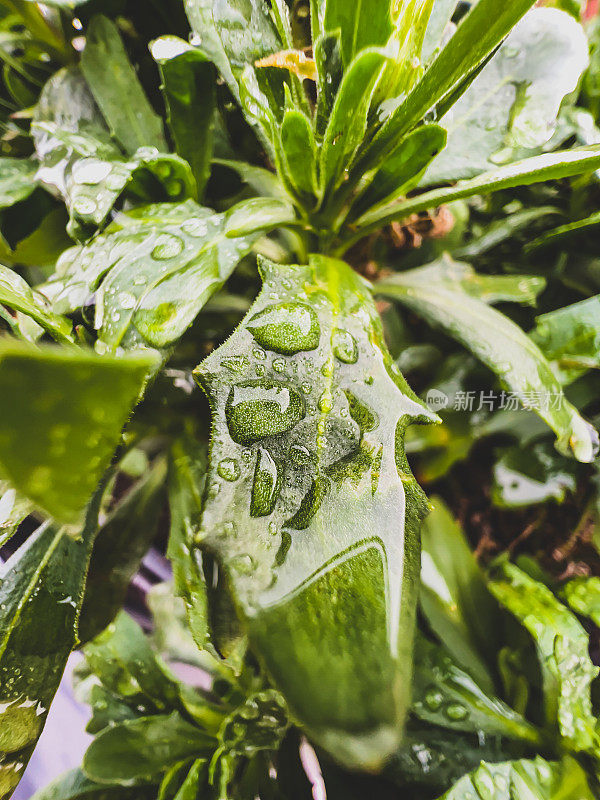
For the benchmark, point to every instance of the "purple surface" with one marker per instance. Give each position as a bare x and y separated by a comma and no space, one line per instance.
63,742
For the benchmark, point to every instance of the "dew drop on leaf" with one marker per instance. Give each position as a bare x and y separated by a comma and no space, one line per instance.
265,486
344,346
167,246
286,328
229,469
257,409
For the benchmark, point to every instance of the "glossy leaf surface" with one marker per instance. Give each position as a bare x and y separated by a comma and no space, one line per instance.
309,496
503,346
62,413
16,294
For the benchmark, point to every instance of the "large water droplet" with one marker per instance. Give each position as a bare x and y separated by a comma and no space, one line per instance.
266,485
90,171
229,469
456,712
344,346
257,409
434,699
286,328
167,246
310,504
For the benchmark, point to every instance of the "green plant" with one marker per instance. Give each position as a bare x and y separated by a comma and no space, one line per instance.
144,177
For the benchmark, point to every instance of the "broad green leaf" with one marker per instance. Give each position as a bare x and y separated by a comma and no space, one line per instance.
348,120
116,88
562,647
583,596
514,102
39,604
306,458
402,171
482,30
16,180
233,34
458,276
547,167
448,697
62,413
454,596
74,785
367,23
16,294
527,780
189,91
121,543
570,336
42,247
532,474
155,268
140,749
503,347
299,146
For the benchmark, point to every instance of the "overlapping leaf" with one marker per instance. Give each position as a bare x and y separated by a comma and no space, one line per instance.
309,495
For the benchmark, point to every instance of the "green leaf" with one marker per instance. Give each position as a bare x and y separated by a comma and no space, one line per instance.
562,647
446,696
514,102
189,91
482,30
328,58
366,24
306,459
441,15
546,167
583,596
503,347
186,483
154,269
116,88
570,336
348,120
17,295
121,543
455,598
299,146
565,234
533,474
402,171
233,34
62,413
538,780
140,749
503,230
74,785
16,180
39,604
191,784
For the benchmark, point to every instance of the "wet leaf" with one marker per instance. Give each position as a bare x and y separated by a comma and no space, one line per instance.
39,604
534,474
189,90
62,413
366,25
306,458
447,696
295,61
16,294
503,347
300,150
441,15
455,598
74,785
140,749
116,89
155,268
14,509
121,543
16,180
540,779
570,336
514,102
562,647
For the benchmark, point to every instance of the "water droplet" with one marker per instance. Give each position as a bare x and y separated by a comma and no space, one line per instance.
257,409
286,328
167,246
243,564
229,469
434,699
279,365
310,504
195,227
265,487
84,206
344,346
236,364
456,712
126,300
